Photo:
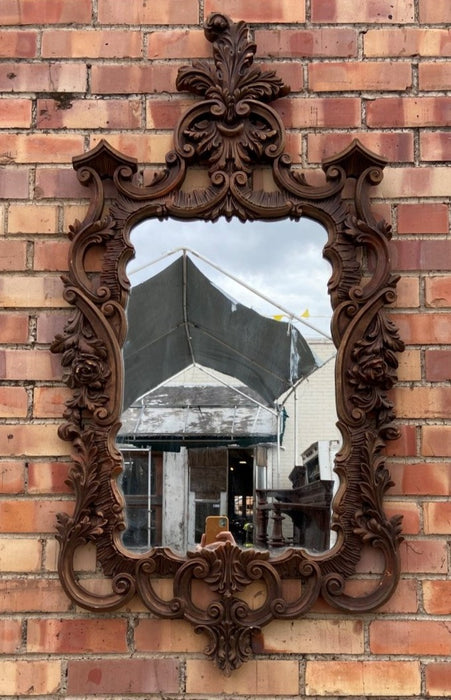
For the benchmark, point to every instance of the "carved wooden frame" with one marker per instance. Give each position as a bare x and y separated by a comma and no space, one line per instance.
231,132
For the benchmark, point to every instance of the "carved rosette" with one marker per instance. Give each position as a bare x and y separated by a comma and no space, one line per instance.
230,131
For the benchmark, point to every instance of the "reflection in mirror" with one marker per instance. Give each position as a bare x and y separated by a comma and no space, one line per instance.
229,401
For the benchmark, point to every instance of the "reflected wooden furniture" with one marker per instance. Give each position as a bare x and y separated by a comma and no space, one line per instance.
309,508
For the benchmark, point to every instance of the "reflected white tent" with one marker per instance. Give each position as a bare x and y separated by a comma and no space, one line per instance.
178,318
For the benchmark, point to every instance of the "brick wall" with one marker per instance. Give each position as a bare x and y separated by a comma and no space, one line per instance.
74,71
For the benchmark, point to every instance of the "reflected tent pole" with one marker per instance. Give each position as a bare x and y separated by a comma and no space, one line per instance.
295,426
278,448
149,498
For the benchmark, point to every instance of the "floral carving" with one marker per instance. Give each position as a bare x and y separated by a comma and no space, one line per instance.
373,371
85,363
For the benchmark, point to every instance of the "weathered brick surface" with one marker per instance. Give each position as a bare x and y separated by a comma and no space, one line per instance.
437,597
125,676
375,678
378,11
75,71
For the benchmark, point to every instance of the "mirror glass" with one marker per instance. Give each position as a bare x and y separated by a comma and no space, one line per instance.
229,400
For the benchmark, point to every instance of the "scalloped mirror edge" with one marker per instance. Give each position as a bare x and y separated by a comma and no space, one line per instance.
231,133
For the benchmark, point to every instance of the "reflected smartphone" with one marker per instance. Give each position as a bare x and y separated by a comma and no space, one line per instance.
214,524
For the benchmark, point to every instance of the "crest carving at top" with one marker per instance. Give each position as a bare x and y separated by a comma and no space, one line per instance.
232,128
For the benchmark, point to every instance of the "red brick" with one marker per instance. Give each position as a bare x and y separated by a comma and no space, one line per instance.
18,44
31,218
435,145
50,255
29,364
438,365
31,440
178,43
137,12
42,77
424,556
438,679
75,636
408,296
409,369
23,291
363,678
14,184
423,329
15,113
290,73
409,111
394,147
438,291
436,440
48,477
410,515
346,11
13,402
13,328
407,41
422,402
311,637
295,43
157,635
437,518
134,78
405,445
255,11
148,148
403,600
49,401
422,218
13,255
437,597
262,677
348,77
125,676
12,477
424,479
435,11
415,182
91,43
59,182
320,112
88,114
163,112
42,148
26,594
20,677
46,12
10,636
49,325
26,515
20,554
410,637
434,76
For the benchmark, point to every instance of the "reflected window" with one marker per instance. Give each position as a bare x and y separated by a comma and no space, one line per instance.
141,483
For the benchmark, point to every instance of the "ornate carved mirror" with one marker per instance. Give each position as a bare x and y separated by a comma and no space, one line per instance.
229,163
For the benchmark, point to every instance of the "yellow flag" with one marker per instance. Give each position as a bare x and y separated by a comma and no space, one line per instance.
306,314
278,318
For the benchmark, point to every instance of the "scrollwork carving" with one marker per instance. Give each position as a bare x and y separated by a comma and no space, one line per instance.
230,132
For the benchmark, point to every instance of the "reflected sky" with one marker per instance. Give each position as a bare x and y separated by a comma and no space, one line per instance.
282,260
